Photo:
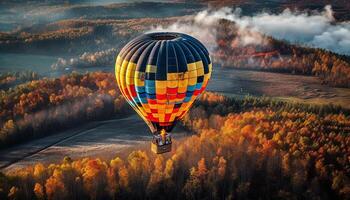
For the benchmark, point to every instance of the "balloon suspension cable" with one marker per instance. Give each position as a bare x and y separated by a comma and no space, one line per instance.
163,134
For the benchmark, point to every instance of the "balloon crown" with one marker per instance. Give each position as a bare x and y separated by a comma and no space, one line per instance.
164,36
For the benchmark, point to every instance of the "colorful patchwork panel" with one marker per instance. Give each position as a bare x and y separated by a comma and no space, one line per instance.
161,75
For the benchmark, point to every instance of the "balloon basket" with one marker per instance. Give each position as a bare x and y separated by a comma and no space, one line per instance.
159,149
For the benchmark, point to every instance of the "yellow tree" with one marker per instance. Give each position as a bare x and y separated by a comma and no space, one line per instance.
94,178
139,171
54,186
196,186
113,175
39,191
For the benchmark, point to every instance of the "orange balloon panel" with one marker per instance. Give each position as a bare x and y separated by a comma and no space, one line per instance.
161,75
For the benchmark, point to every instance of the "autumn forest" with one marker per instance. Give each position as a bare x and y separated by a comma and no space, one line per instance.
272,123
243,149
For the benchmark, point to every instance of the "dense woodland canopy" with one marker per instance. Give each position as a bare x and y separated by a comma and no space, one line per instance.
242,149
40,107
10,79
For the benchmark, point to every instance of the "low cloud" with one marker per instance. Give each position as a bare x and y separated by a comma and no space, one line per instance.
200,29
318,29
204,26
95,59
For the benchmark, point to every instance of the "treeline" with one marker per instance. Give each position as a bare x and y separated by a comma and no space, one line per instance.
223,105
87,59
76,36
9,79
339,8
260,152
40,107
66,38
269,54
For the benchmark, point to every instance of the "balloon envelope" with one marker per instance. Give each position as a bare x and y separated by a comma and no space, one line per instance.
161,75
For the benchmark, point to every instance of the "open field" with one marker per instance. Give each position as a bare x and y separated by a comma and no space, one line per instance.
282,86
103,139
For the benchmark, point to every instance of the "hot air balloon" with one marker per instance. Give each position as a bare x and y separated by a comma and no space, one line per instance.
160,75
